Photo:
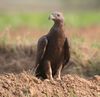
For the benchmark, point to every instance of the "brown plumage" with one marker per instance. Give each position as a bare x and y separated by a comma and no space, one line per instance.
52,50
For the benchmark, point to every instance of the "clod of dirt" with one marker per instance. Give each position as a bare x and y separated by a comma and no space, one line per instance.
26,85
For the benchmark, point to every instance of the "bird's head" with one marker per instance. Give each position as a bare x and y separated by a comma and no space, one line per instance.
56,17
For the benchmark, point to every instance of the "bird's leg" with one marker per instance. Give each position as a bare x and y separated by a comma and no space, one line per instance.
58,74
48,70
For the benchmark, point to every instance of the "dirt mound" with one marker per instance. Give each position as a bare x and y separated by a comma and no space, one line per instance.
26,85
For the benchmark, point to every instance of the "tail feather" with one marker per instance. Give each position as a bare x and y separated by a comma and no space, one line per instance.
40,73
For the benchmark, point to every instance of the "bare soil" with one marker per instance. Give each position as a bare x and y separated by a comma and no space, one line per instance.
26,85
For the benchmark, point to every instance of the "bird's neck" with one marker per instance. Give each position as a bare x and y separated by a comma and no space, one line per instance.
59,24
59,27
57,30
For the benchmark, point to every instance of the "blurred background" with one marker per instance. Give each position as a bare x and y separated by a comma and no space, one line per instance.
46,5
22,22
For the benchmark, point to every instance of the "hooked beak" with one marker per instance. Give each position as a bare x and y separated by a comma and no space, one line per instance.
51,17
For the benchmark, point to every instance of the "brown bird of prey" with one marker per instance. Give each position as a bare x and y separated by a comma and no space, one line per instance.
52,50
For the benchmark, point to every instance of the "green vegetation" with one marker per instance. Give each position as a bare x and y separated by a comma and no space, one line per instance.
96,44
40,20
37,20
83,19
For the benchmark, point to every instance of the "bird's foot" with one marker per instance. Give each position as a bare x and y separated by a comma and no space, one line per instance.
47,80
52,81
58,78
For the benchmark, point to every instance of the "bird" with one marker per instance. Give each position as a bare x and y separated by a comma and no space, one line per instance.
52,50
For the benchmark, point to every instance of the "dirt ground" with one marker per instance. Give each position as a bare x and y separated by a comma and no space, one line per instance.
26,85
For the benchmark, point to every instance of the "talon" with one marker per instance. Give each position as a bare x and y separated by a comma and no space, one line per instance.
58,79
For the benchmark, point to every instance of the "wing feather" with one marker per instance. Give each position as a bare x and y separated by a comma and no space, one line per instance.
41,48
66,52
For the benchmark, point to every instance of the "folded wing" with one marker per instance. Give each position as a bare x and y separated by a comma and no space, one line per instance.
41,48
66,52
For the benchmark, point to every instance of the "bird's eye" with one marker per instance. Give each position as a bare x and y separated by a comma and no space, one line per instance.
58,15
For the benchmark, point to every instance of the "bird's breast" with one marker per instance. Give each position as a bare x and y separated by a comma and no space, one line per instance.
55,51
